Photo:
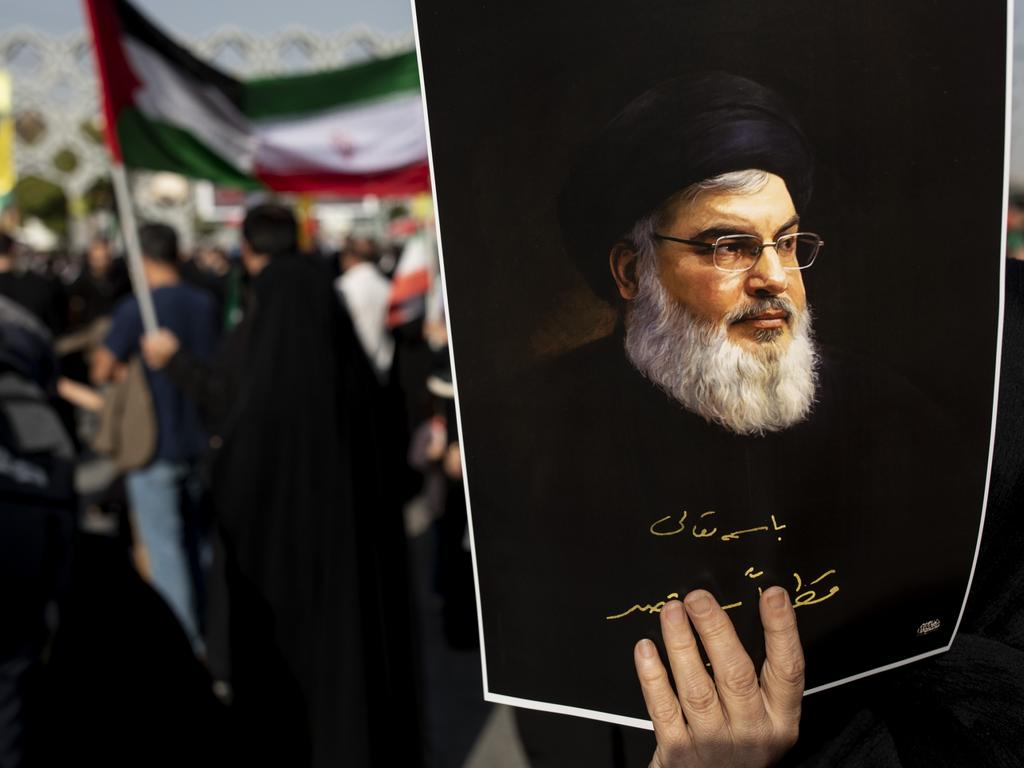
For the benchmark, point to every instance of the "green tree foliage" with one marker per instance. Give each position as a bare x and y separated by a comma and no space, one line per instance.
44,200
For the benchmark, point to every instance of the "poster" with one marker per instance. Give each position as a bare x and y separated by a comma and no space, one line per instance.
606,470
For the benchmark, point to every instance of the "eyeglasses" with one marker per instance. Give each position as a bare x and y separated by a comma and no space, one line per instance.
739,253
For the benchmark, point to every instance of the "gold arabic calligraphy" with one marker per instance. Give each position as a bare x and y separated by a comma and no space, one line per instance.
659,528
803,596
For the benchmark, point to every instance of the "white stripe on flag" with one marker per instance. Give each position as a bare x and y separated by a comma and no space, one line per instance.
201,110
367,137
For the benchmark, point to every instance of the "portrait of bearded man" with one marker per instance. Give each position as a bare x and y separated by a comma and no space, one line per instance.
709,441
708,267
733,345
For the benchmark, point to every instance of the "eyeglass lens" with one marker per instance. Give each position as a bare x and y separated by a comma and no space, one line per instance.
739,252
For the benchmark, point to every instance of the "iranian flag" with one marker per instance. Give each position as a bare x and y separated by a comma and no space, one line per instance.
357,130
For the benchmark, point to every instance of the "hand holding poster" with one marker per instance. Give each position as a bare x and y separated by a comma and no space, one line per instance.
637,219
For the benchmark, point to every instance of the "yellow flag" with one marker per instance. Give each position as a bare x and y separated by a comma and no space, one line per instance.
423,206
7,172
307,223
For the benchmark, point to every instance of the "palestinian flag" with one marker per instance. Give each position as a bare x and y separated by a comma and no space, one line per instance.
357,130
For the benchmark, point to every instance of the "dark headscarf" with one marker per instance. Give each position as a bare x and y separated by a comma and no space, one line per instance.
682,131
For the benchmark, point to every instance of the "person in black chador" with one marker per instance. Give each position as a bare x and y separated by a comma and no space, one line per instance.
319,664
709,443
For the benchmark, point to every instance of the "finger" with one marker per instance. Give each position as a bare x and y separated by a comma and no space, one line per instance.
662,704
782,676
735,677
697,695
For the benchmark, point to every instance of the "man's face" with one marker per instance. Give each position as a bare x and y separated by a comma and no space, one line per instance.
735,348
690,277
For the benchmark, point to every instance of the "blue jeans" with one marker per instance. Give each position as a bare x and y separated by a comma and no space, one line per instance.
161,495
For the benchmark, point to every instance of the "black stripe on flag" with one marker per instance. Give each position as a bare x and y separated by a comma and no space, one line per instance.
143,30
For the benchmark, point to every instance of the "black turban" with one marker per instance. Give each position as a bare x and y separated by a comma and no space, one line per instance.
682,131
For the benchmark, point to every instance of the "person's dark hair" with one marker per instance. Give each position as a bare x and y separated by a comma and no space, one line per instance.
6,244
159,242
271,230
361,249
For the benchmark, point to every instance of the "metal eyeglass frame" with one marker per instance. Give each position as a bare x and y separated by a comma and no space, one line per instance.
713,247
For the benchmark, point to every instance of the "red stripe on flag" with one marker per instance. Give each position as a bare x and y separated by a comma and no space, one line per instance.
406,312
116,77
403,181
412,284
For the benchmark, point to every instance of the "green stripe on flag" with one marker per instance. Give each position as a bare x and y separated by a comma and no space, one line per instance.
149,143
319,91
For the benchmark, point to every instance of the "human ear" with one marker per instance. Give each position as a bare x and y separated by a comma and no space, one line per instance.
622,260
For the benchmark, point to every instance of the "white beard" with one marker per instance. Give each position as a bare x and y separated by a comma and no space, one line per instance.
695,362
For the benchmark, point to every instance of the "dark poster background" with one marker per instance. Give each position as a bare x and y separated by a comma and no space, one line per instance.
903,105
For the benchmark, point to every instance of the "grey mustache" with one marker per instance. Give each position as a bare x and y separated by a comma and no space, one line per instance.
759,306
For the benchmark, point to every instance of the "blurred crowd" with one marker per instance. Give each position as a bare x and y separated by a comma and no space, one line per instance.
1015,228
208,521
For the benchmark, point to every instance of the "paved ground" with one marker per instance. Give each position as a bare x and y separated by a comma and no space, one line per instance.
498,744
464,730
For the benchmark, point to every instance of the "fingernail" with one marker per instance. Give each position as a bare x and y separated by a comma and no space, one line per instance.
647,649
777,597
698,603
673,611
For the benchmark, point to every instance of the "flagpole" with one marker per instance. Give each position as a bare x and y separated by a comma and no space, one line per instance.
94,9
130,230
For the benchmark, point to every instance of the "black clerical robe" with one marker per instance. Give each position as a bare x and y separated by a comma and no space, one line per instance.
596,497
